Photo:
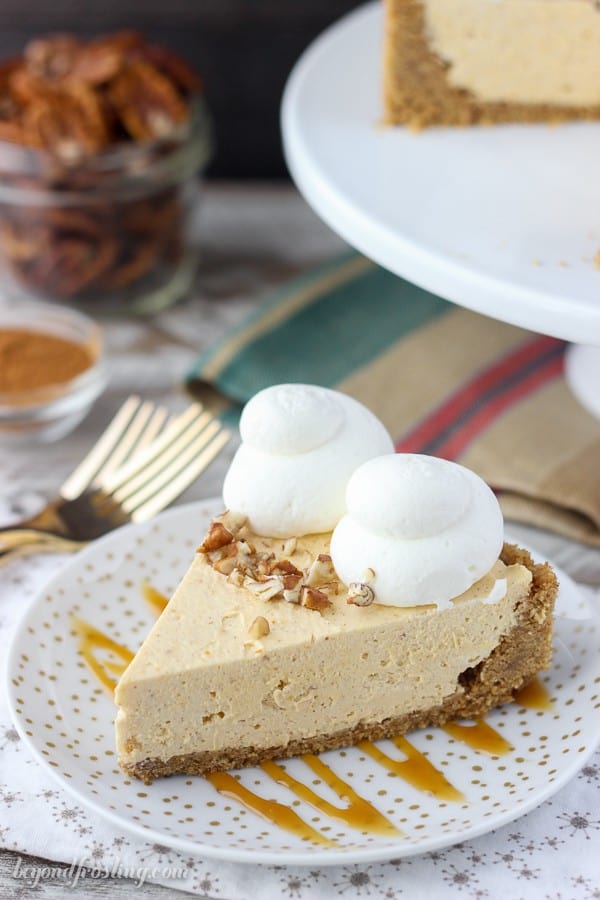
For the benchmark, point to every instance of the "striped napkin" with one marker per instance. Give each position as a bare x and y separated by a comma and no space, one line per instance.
444,381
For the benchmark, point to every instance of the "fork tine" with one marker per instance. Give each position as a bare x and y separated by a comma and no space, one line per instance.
156,424
133,437
176,487
147,456
168,458
176,459
79,480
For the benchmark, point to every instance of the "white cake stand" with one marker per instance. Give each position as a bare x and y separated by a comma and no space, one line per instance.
503,220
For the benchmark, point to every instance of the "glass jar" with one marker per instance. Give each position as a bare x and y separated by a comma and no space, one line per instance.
110,232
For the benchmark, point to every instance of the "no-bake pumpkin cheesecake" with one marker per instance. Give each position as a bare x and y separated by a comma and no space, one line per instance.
461,62
348,593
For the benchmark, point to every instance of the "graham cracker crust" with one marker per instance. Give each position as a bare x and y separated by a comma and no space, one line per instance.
416,88
521,654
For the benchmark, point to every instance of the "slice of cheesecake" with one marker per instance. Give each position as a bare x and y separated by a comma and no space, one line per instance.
461,62
262,653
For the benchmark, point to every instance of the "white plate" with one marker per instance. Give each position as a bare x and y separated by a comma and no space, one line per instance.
503,220
67,721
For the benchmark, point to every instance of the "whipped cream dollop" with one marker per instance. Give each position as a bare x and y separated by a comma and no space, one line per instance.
300,445
418,529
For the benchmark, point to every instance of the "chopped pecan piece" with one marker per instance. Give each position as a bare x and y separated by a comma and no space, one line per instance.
218,536
314,599
321,571
360,594
292,595
269,589
259,628
233,521
236,577
289,546
284,567
227,551
291,581
330,587
263,566
246,548
226,565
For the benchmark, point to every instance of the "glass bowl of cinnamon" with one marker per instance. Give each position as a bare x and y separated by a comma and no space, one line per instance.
51,371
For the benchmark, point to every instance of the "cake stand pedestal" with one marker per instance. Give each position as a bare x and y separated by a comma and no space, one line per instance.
503,220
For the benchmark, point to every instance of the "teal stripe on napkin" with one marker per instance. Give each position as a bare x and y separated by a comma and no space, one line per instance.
319,328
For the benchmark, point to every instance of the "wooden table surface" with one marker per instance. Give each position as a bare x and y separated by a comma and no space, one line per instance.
253,238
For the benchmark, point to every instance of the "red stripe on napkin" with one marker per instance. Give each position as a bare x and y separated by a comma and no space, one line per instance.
450,428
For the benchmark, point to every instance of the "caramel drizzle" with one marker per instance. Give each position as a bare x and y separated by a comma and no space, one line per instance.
415,769
270,810
91,640
479,736
534,696
358,814
156,599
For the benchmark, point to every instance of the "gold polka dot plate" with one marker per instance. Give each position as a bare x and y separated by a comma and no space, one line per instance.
381,800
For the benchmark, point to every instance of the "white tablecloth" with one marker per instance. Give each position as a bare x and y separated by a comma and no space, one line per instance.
254,238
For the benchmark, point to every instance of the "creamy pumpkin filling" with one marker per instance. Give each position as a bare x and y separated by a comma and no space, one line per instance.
203,683
519,51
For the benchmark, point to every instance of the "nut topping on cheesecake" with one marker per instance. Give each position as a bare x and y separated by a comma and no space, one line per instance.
262,573
408,530
259,628
360,594
321,571
314,599
218,536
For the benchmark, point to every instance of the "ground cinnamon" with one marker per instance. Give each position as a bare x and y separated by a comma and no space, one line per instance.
33,359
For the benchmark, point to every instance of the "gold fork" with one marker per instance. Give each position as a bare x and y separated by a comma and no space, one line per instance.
142,462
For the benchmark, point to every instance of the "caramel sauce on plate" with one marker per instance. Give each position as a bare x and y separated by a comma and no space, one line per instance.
358,814
91,640
534,696
415,769
479,736
270,810
154,598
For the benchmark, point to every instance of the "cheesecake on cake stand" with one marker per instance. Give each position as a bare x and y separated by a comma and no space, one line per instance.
502,220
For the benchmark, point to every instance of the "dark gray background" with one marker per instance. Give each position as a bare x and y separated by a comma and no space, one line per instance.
243,48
